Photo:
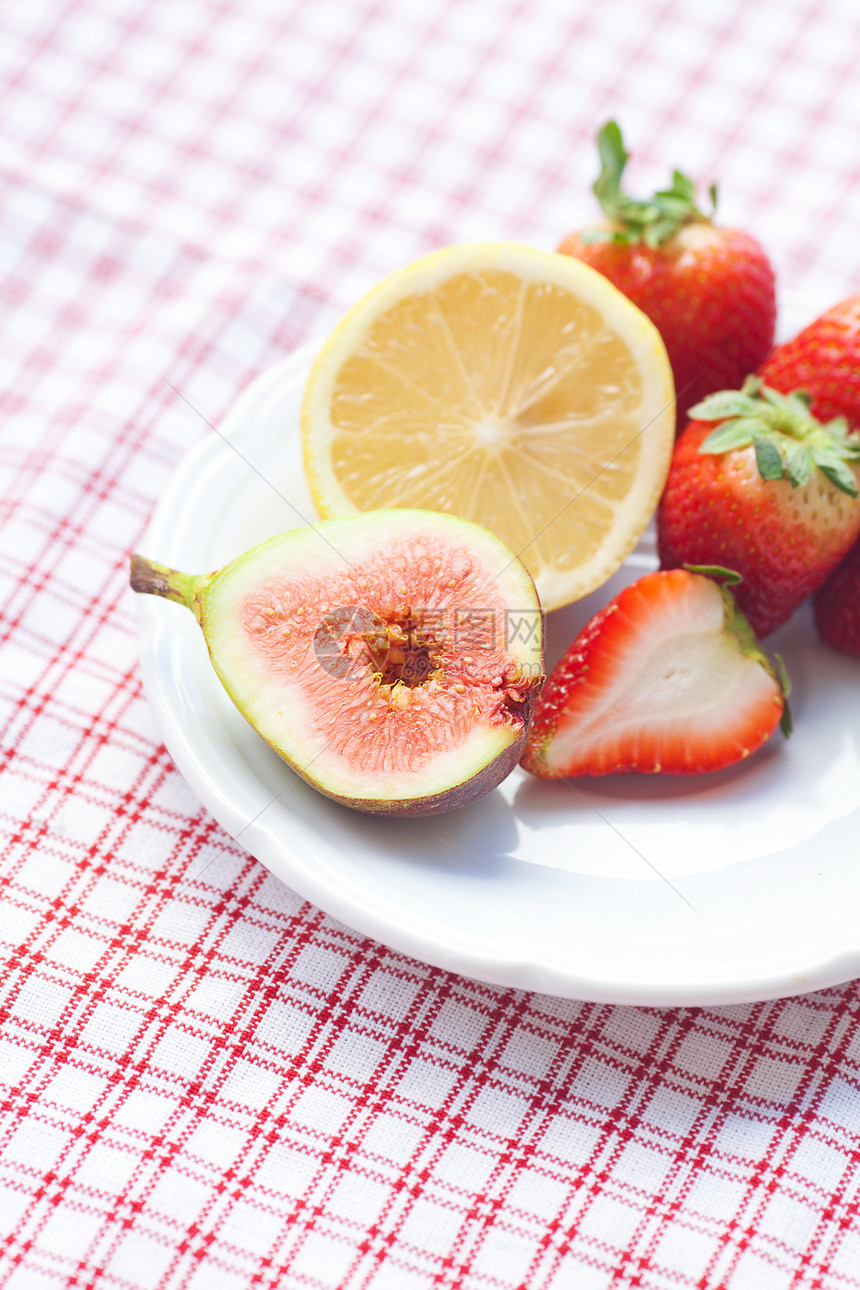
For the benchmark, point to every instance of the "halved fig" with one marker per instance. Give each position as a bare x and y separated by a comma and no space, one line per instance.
391,658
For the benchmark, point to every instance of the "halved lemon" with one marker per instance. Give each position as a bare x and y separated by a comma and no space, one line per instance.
513,387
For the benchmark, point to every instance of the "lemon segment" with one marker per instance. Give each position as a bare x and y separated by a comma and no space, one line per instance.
514,387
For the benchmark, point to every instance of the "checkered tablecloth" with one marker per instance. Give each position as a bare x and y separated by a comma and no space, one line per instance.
205,1082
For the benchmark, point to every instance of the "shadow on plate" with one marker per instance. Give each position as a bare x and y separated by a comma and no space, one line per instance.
477,839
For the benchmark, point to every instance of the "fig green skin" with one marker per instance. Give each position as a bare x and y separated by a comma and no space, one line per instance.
150,578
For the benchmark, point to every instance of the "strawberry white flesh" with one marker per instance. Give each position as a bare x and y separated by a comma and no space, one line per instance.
667,677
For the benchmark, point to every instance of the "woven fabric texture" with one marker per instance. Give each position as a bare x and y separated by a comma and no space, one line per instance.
205,1082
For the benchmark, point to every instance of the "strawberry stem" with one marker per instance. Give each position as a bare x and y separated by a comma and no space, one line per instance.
652,222
789,442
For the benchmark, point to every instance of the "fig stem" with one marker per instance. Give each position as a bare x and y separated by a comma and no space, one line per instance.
154,579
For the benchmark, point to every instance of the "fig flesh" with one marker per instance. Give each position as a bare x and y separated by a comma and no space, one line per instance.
391,658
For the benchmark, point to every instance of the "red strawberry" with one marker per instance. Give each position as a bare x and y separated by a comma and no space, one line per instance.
667,677
709,290
771,492
824,360
836,605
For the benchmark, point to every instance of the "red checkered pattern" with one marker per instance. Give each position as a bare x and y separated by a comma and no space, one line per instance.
204,1081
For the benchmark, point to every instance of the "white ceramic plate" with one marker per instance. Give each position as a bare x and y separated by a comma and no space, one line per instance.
737,886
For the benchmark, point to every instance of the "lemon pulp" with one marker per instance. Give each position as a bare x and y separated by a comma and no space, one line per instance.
513,387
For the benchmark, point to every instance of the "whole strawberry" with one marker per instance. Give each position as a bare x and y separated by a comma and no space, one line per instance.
770,492
709,290
824,360
667,677
836,605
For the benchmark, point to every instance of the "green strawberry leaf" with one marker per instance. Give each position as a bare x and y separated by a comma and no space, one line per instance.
660,231
790,443
776,399
849,443
672,206
837,471
728,577
737,433
683,187
652,222
799,462
786,724
768,458
798,402
723,404
738,624
613,159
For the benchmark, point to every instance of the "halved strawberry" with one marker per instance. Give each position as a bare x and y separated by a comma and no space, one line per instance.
667,677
